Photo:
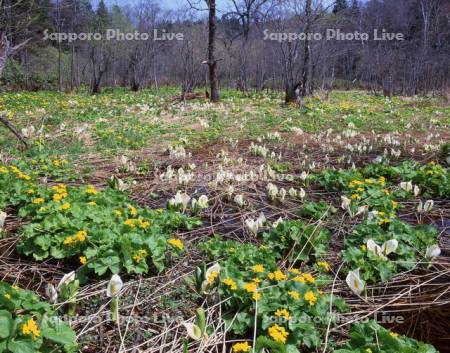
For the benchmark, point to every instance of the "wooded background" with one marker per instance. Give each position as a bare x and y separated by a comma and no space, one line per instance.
241,56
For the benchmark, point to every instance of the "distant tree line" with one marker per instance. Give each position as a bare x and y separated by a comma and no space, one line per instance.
227,48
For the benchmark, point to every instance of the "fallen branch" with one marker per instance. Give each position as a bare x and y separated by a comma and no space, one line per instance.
11,127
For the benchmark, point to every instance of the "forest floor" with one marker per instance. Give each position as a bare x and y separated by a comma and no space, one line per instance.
330,178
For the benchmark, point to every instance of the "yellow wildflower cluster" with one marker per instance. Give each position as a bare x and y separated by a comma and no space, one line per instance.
258,268
305,277
325,265
393,334
83,260
19,174
141,254
277,276
66,206
130,222
60,192
241,347
38,200
79,237
283,313
355,183
117,213
230,283
212,277
3,170
132,210
252,288
177,243
310,297
91,190
143,223
294,295
31,328
278,333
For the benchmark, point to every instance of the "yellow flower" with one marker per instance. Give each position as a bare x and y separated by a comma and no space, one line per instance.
386,191
393,334
309,278
394,204
92,203
230,283
117,213
382,180
31,328
257,280
141,254
294,295
143,224
300,279
355,183
60,196
363,247
277,275
132,210
130,223
4,170
356,197
212,277
250,287
369,181
65,206
256,296
325,265
30,191
359,189
283,313
295,270
310,297
83,260
278,333
241,347
91,190
384,221
177,243
38,201
79,237
8,296
258,268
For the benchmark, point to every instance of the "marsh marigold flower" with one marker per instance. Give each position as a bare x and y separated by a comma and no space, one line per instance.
241,347
325,265
310,297
278,333
294,295
230,283
258,268
283,313
277,275
31,328
177,243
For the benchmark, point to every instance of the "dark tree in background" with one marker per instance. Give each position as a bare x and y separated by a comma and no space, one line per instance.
229,41
339,6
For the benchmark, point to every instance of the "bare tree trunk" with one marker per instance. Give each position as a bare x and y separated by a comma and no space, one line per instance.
306,55
212,61
6,50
